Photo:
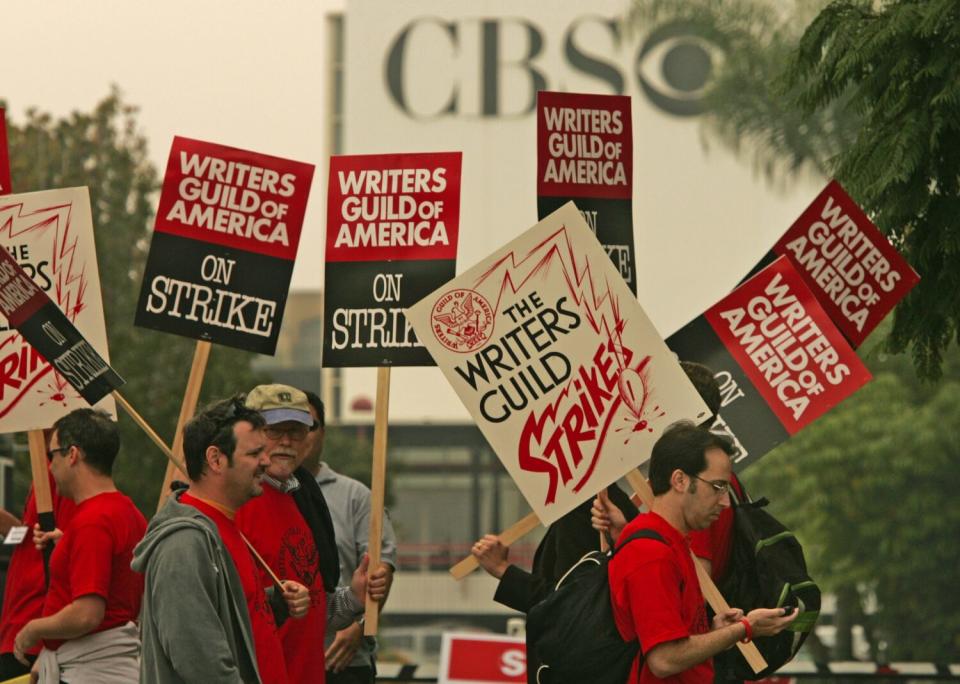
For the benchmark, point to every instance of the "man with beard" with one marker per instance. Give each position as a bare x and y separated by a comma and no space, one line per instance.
206,617
291,527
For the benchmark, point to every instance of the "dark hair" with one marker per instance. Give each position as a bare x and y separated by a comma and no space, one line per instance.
95,433
213,426
706,385
317,405
683,446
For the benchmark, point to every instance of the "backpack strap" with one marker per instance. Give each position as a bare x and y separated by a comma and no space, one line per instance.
640,534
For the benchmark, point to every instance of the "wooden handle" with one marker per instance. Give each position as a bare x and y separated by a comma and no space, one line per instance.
263,563
378,479
38,467
189,406
604,544
138,419
509,536
707,587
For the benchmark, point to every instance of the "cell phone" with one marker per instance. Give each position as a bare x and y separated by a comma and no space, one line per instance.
788,610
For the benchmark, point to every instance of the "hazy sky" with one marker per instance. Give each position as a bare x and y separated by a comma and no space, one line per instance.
243,73
250,74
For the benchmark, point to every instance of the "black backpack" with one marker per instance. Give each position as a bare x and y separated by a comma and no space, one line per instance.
571,635
766,570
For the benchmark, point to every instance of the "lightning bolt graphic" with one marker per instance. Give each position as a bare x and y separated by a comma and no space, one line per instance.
601,309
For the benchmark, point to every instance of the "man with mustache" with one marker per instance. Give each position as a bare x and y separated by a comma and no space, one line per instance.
291,527
206,617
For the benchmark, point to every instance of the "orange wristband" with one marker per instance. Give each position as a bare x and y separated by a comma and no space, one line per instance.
748,636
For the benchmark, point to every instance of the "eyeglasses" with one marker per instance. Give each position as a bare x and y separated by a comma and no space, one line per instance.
54,452
720,487
296,432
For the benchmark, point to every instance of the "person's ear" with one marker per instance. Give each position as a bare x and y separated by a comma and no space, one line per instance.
678,481
73,455
213,457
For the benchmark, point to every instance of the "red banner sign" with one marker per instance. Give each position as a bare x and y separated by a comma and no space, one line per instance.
393,207
854,271
787,346
234,198
477,658
584,146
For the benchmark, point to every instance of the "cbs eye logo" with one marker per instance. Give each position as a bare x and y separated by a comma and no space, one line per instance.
674,65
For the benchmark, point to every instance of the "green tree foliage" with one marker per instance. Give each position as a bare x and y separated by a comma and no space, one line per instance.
867,93
105,151
870,490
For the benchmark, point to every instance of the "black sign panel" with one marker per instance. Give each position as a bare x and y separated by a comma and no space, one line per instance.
238,294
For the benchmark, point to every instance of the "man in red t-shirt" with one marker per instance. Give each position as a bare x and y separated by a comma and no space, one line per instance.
278,527
206,616
653,585
26,584
93,600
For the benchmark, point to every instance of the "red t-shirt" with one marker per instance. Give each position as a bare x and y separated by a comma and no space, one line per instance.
265,639
93,557
26,587
713,543
656,596
276,528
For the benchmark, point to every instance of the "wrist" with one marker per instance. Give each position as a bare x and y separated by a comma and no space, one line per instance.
747,631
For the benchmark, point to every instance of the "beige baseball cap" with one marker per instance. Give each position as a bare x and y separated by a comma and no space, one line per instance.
279,403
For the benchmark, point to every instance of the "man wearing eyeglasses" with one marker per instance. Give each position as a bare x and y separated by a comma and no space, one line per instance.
290,525
654,589
88,625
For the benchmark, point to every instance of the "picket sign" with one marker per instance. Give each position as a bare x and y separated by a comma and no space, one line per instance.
378,480
189,406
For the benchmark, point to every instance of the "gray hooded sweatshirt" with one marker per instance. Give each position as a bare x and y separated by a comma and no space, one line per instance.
194,622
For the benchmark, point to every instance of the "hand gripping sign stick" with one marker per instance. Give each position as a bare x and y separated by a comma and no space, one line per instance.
189,406
371,614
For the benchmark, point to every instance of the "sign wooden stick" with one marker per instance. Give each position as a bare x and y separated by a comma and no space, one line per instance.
378,476
138,419
41,481
509,536
263,563
41,490
189,406
604,544
709,589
